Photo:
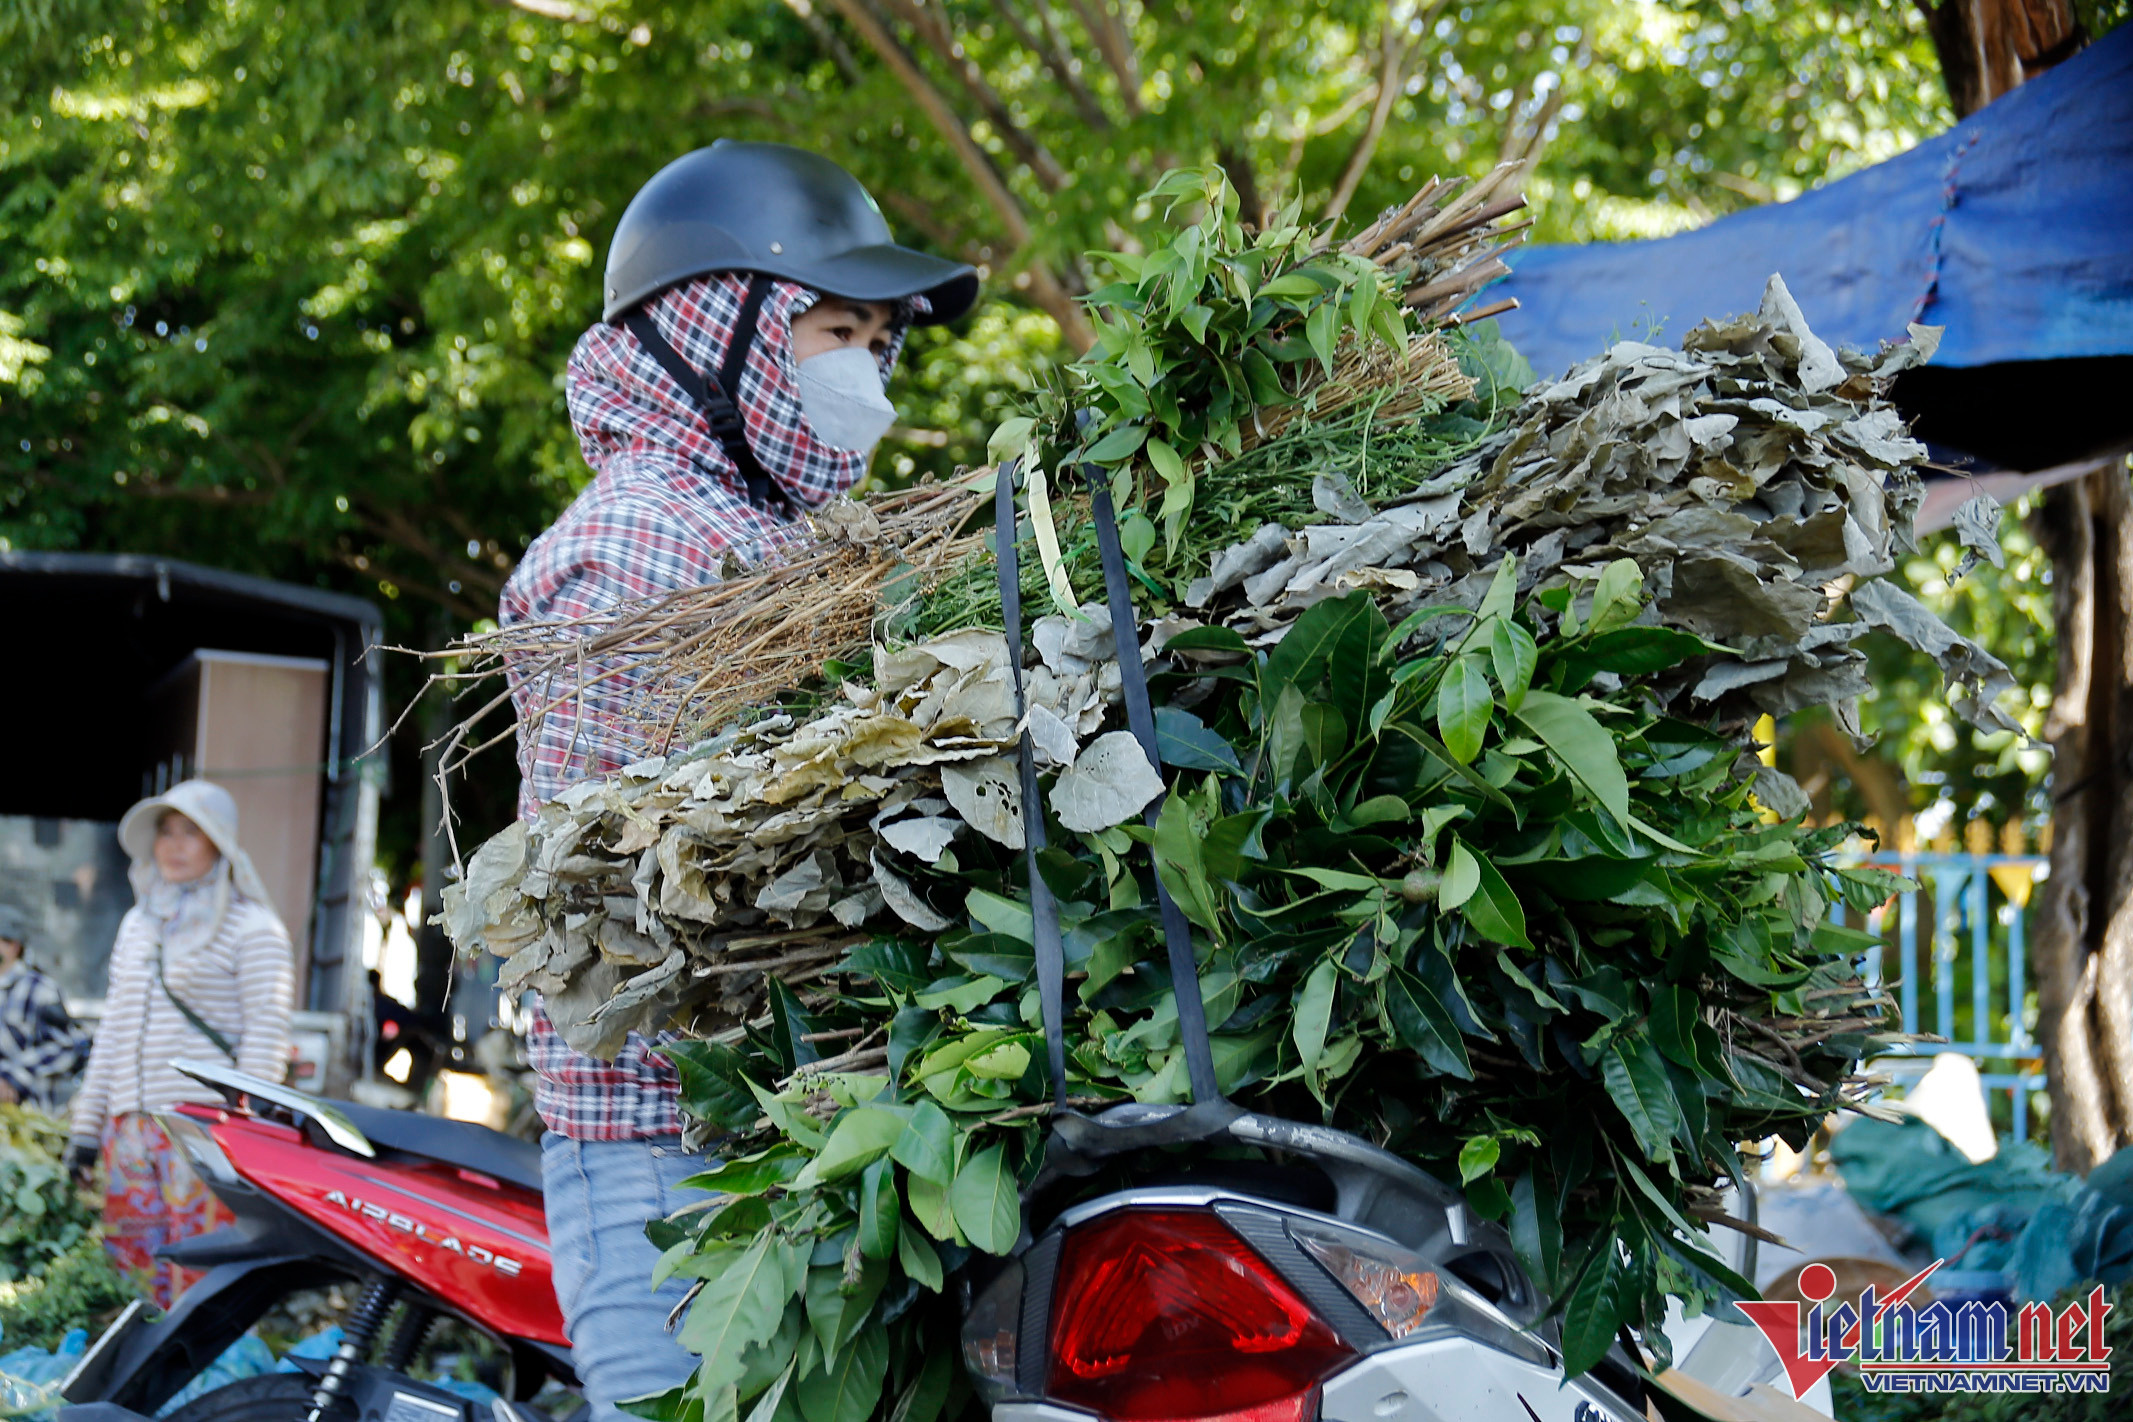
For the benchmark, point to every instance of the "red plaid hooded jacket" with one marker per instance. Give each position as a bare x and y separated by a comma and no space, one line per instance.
665,509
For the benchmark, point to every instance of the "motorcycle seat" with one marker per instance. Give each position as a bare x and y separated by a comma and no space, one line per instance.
460,1143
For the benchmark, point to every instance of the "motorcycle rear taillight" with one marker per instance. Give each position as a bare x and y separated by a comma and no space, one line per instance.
1164,1315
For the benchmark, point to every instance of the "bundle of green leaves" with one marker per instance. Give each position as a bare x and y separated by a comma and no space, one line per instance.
1202,336
1455,886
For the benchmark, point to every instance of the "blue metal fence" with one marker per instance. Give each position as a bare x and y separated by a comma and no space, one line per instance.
1959,943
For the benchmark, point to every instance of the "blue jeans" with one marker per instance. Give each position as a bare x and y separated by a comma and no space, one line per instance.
599,1195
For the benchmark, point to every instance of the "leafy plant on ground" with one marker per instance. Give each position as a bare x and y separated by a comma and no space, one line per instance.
41,1214
78,1288
1459,862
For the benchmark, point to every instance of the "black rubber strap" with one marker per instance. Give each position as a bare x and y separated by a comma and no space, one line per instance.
718,407
1048,946
743,339
1140,719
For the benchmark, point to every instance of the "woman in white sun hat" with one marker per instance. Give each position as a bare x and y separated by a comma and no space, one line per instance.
202,969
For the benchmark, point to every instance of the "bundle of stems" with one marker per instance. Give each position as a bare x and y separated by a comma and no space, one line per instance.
700,656
1447,242
1397,385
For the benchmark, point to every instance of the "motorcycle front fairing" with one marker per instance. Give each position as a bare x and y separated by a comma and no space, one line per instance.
316,1202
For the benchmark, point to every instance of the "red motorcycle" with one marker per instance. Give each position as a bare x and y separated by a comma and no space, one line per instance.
440,1216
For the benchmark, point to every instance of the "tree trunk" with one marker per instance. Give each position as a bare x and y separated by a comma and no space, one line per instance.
1988,47
2083,947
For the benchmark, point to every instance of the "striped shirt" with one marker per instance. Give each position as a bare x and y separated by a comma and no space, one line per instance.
242,982
40,1045
665,511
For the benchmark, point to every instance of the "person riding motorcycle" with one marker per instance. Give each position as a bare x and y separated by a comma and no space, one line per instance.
755,308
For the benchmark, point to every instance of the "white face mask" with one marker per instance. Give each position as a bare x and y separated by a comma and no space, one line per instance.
840,393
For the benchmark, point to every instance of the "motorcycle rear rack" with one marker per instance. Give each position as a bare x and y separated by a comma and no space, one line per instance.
234,1084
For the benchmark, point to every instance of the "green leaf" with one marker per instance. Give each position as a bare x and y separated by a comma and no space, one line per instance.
928,1393
741,1305
929,1206
1322,328
985,1198
849,1388
790,1026
1618,598
1381,810
1292,286
750,1174
1165,461
1512,649
859,1137
1464,705
891,962
1637,1081
1673,1022
1119,445
1183,741
1866,888
1466,773
836,1306
1005,1062
916,1253
1502,594
995,955
1300,658
1422,1021
1462,876
1001,915
1478,1157
1010,438
766,1405
1595,1311
1314,1013
880,1211
1208,639
1639,651
1536,1232
714,1085
1581,744
926,1145
1178,863
1494,910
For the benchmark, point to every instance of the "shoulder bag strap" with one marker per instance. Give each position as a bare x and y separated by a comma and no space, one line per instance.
200,1024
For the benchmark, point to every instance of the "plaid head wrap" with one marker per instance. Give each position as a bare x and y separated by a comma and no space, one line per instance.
666,508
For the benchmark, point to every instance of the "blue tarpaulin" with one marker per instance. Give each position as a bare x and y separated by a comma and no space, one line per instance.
2014,230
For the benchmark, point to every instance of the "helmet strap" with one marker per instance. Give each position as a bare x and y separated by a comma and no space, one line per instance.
719,400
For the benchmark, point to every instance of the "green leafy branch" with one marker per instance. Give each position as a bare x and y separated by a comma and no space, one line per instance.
1195,336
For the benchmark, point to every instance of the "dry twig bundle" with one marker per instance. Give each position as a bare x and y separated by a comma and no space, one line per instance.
701,655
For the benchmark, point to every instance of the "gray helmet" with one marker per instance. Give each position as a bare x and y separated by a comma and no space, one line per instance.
777,211
14,925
